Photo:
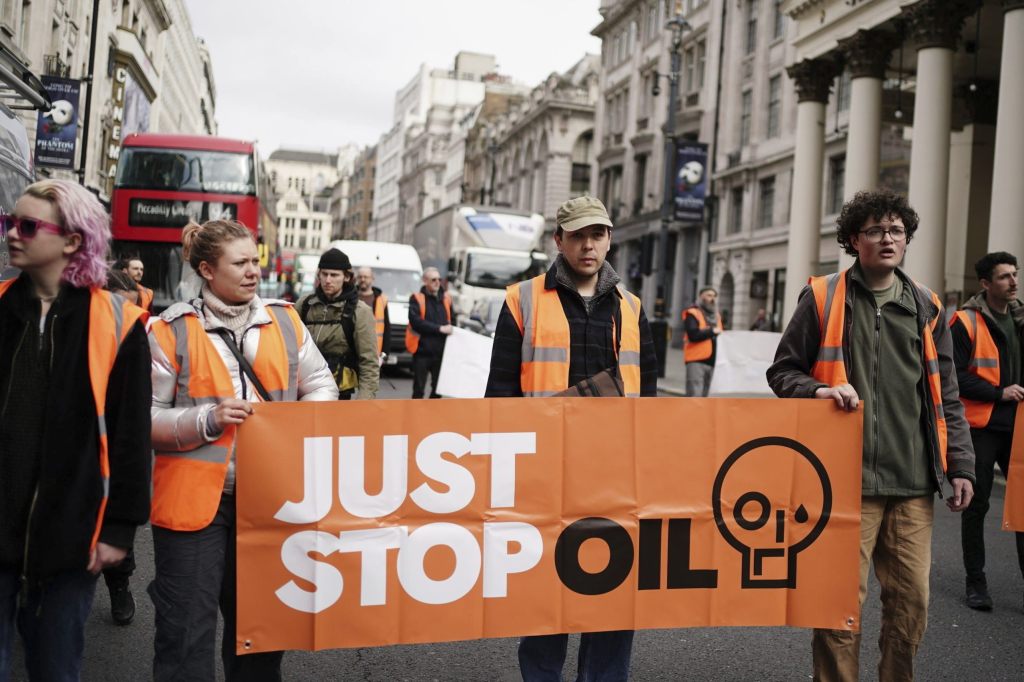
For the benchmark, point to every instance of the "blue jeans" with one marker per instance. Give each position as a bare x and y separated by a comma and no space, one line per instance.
604,657
51,619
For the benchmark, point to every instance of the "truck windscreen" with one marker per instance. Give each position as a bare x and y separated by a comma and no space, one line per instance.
497,271
397,285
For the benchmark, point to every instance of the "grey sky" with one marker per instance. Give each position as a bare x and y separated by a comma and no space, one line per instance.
315,74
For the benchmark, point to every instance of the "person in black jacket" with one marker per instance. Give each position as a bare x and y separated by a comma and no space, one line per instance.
990,388
64,516
430,322
592,303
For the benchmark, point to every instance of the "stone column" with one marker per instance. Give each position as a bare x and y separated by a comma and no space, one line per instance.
867,57
813,78
1005,232
935,28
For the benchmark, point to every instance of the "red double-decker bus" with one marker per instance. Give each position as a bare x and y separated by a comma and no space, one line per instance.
162,182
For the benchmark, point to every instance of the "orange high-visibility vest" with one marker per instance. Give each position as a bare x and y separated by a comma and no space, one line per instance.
540,317
695,351
380,307
412,338
830,366
145,297
187,486
111,318
984,364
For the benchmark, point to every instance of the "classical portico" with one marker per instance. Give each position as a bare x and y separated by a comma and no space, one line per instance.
950,53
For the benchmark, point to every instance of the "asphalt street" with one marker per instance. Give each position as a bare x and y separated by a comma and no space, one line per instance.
960,644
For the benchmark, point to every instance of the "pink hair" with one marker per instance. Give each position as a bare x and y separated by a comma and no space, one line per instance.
80,213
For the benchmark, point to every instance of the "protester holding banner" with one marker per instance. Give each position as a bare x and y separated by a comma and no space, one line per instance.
213,357
588,324
74,429
702,323
988,337
342,327
378,302
871,334
430,322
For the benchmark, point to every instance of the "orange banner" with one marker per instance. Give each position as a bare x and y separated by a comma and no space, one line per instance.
381,522
1013,506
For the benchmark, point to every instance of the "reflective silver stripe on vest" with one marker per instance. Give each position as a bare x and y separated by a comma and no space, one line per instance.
538,394
983,362
629,299
629,357
830,354
216,454
180,328
291,344
118,311
932,366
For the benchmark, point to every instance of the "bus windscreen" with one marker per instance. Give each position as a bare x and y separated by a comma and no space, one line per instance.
185,170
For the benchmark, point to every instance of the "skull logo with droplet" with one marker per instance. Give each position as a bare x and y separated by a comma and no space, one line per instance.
769,522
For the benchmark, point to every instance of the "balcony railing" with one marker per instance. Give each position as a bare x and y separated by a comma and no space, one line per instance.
53,66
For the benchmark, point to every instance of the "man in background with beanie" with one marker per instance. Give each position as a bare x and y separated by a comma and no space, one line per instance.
342,327
589,324
430,322
702,324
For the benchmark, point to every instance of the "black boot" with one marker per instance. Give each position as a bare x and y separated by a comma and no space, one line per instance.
978,597
122,603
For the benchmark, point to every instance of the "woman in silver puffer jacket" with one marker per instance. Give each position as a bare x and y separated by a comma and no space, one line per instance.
201,393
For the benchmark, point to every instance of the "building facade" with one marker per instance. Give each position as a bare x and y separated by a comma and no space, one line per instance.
152,74
450,93
628,173
542,147
356,223
928,76
302,183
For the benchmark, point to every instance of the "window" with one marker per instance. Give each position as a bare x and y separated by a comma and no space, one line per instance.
701,58
766,210
639,184
631,46
735,210
779,20
745,112
836,180
774,105
580,179
843,91
652,22
752,7
690,68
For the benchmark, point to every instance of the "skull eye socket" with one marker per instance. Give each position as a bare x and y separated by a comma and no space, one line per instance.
741,504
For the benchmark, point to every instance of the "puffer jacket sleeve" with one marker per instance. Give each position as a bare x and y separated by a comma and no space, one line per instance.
175,429
315,379
790,374
366,345
959,448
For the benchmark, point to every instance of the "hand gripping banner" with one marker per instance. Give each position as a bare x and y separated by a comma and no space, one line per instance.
382,522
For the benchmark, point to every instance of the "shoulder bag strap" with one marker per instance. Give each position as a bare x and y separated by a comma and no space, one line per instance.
229,341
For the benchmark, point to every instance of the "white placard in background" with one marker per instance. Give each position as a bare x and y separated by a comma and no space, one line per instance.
741,362
465,366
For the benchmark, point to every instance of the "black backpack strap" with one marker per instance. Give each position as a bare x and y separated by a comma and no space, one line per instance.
229,341
348,325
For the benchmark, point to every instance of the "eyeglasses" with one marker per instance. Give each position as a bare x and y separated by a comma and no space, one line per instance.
27,227
434,279
874,234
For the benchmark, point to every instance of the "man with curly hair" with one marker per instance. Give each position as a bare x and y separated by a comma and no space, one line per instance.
870,335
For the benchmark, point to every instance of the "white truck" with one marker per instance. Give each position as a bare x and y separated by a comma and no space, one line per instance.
482,250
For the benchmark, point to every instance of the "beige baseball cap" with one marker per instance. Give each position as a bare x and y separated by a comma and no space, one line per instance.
581,212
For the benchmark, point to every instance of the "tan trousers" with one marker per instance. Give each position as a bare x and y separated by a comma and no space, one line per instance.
896,537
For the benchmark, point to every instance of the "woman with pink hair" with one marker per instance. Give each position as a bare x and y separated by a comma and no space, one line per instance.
75,392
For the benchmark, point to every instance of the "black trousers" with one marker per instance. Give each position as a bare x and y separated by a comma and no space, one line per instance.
421,367
115,576
990,448
195,576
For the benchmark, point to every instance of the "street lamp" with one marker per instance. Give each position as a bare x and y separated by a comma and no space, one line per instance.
659,325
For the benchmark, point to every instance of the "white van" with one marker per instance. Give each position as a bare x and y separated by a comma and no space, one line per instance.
398,273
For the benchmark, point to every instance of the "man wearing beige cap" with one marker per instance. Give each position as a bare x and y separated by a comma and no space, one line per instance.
588,324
